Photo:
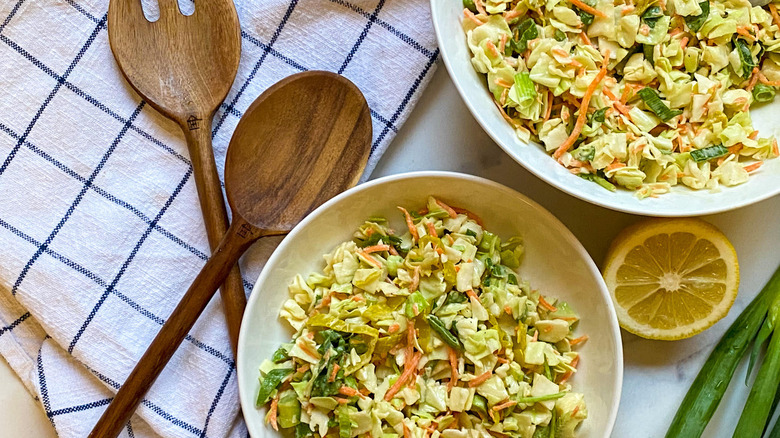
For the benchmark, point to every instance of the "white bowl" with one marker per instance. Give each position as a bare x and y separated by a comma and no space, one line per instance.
472,86
555,263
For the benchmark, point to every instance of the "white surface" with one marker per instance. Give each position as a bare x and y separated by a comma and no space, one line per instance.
447,15
442,135
506,213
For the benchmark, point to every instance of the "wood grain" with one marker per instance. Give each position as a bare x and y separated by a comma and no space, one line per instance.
303,141
184,67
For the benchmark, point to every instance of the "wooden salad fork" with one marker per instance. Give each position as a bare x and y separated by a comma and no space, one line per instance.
184,67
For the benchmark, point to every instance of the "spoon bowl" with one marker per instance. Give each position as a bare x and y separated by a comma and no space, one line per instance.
304,140
285,159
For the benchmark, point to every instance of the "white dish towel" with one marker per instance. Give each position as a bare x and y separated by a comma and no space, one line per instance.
100,229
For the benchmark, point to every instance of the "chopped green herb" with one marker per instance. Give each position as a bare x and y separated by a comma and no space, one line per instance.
598,180
270,382
695,22
745,57
438,326
708,153
763,93
653,101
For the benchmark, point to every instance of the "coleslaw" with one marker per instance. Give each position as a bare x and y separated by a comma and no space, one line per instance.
644,94
432,333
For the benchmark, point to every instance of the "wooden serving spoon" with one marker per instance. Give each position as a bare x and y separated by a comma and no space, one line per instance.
184,67
304,140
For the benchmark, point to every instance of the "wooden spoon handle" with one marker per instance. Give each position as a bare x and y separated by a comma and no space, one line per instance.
197,130
238,238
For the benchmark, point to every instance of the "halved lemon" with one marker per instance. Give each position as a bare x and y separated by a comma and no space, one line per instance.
671,278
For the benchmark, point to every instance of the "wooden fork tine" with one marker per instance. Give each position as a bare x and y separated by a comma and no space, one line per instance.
126,10
168,7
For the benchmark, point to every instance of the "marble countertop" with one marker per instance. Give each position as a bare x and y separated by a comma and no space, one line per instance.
442,135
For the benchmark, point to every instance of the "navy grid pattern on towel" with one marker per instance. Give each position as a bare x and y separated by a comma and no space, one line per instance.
100,230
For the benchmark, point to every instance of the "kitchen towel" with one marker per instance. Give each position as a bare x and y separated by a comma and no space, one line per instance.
100,227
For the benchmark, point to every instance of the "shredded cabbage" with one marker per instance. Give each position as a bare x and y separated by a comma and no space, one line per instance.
460,347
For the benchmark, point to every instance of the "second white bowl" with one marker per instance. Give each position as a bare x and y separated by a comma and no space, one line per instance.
764,183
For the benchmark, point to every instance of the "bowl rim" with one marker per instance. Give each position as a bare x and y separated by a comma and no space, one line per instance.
556,182
247,404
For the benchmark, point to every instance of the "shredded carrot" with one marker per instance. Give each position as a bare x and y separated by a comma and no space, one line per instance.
560,52
753,80
415,279
566,377
453,356
626,94
393,251
511,15
615,165
546,305
579,340
480,7
502,43
450,211
575,361
754,166
302,369
473,295
502,360
504,405
365,391
502,83
325,302
775,17
376,248
410,224
766,81
508,309
775,149
585,39
476,381
683,42
349,392
342,401
431,229
627,9
575,410
575,133
470,15
408,371
370,259
272,413
536,336
607,92
753,135
470,215
492,48
745,33
393,328
588,8
336,368
306,349
407,433
410,332
624,109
